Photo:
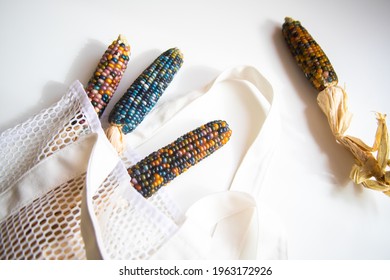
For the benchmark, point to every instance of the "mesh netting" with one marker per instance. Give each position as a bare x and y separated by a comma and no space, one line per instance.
129,228
47,226
25,145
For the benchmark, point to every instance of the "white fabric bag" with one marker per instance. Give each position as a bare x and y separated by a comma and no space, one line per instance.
65,194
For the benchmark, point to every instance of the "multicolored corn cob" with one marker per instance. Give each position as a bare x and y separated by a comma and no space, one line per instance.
142,95
108,74
162,166
309,55
372,163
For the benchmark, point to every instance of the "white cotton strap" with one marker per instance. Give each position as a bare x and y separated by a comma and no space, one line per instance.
102,160
253,167
215,228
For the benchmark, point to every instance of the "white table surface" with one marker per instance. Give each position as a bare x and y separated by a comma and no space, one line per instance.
45,45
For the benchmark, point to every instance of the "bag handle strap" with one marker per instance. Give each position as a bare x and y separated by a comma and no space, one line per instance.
215,227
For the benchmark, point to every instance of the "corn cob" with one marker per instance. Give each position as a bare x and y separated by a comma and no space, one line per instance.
369,170
309,55
142,95
165,164
105,80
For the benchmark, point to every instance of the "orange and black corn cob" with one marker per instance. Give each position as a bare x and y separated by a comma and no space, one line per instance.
165,164
108,74
309,55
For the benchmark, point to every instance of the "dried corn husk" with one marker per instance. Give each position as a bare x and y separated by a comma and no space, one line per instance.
371,163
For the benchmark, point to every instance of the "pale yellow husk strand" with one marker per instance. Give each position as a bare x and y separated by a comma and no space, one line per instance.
115,136
371,168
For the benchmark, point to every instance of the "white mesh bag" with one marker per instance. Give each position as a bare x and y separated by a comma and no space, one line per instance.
65,193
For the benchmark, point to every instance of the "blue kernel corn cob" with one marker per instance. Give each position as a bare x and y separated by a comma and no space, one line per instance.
162,166
309,55
142,95
108,73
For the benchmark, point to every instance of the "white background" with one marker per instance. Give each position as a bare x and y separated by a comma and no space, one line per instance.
45,45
